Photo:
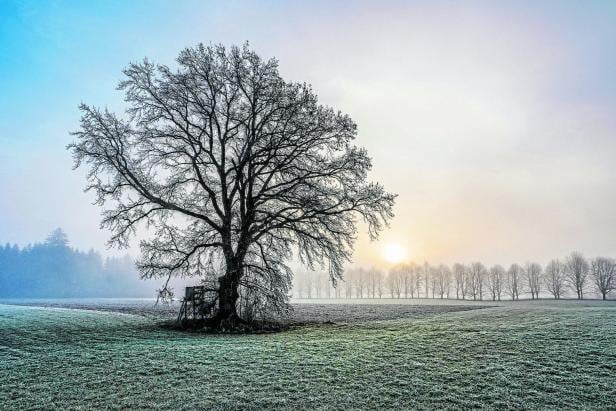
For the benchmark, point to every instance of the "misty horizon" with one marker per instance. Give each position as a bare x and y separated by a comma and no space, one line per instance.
69,272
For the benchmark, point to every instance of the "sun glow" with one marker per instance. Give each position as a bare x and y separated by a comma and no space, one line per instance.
394,253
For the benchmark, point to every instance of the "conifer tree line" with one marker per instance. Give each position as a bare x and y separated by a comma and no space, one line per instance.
572,277
53,269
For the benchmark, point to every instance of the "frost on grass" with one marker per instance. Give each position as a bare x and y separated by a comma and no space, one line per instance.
529,357
302,313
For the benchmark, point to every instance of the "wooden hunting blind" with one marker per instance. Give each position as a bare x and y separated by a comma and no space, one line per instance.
199,303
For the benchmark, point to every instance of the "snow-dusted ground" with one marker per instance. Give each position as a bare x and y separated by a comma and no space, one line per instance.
315,310
304,311
526,355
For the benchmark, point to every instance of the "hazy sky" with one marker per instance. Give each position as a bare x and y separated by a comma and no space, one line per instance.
495,122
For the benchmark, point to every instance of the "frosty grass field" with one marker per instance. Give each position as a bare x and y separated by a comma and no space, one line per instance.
515,356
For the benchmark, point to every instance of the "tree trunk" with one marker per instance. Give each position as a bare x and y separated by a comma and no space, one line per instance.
227,317
227,297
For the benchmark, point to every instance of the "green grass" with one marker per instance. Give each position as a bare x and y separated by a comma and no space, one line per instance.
504,357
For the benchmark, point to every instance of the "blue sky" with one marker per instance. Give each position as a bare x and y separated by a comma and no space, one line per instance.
494,121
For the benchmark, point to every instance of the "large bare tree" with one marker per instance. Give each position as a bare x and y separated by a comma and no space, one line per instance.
233,169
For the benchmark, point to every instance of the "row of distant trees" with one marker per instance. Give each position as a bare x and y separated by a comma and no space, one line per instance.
573,276
52,269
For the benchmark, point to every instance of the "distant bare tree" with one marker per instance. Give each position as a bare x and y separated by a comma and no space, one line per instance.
434,280
309,284
337,290
396,280
576,270
375,281
298,285
482,281
555,278
349,281
379,285
392,280
603,271
444,281
476,276
306,280
408,280
361,277
459,273
316,281
418,279
426,278
372,282
532,272
328,287
495,281
514,281
449,281
325,284
389,281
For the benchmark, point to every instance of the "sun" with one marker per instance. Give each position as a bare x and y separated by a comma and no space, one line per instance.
394,253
